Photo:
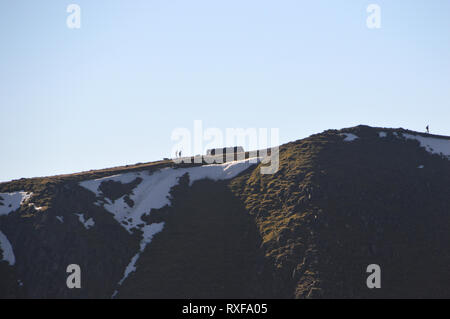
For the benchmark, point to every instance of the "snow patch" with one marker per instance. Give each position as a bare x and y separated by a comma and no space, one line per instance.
349,137
10,202
149,232
152,193
431,144
420,166
86,223
61,219
382,134
8,253
93,185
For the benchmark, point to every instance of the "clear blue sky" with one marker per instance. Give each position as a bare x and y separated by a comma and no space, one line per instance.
111,92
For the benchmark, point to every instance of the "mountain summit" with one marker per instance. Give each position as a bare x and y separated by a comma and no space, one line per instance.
341,200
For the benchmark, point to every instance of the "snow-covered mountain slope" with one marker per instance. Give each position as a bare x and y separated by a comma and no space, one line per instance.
10,202
6,248
153,188
152,192
431,144
341,200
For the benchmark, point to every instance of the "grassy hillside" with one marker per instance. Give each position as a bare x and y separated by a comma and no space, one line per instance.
335,207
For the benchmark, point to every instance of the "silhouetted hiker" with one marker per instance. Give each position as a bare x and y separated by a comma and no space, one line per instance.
179,154
428,129
176,154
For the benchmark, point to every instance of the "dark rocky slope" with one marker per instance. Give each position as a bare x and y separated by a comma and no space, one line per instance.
308,231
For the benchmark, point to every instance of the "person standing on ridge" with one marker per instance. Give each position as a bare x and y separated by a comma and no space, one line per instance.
428,129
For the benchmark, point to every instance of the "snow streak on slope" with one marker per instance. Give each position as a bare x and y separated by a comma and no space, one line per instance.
152,193
10,202
349,137
86,223
431,144
6,248
93,185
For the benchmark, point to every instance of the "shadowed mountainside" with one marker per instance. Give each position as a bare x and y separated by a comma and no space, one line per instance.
341,200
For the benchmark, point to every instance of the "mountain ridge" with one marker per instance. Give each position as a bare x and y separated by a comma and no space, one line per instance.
124,168
310,229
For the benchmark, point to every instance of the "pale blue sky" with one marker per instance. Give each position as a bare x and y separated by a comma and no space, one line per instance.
111,92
